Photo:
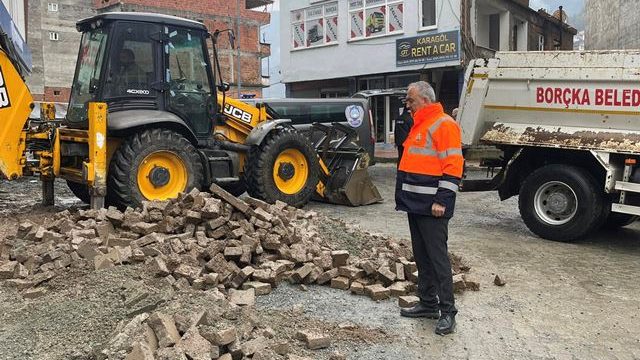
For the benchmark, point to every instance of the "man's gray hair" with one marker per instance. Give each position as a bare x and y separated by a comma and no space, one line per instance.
425,90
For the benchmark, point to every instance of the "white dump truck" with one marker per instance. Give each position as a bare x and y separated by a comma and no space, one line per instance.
567,127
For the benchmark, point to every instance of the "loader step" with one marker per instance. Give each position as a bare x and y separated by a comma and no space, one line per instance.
226,180
626,209
218,158
628,186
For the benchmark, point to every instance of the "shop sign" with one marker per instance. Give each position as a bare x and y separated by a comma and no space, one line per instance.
428,49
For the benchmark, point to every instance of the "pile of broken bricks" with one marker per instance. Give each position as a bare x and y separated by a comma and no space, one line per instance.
222,332
212,241
205,240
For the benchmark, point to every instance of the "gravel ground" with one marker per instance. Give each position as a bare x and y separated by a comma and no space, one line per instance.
561,301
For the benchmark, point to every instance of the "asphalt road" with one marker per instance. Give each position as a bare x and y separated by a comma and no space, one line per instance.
562,300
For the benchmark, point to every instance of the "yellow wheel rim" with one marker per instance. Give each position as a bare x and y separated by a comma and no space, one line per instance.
162,175
290,171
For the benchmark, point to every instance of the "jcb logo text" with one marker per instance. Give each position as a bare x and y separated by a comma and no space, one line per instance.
4,93
237,113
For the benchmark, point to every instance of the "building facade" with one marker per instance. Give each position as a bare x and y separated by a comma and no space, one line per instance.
612,25
338,48
54,43
54,40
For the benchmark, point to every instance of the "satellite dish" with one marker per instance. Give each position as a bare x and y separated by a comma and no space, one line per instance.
561,15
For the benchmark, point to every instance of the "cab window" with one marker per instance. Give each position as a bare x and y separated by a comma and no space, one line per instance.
132,66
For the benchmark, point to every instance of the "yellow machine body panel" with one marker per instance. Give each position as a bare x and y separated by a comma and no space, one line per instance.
243,118
15,107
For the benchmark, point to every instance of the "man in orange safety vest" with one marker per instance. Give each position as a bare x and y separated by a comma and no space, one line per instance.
428,178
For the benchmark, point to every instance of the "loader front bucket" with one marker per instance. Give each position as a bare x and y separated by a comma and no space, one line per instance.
351,187
346,180
358,190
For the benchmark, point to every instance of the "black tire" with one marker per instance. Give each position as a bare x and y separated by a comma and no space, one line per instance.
580,217
258,173
81,191
617,220
122,181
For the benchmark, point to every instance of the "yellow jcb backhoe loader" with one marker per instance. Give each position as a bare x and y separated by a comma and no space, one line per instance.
148,118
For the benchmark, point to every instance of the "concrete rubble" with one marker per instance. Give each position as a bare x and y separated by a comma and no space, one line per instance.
233,249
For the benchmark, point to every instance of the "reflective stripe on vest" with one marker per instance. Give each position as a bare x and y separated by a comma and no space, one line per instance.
448,185
425,190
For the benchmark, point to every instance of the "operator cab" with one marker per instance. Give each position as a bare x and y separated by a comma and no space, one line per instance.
143,61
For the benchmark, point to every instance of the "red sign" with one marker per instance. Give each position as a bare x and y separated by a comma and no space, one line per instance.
580,96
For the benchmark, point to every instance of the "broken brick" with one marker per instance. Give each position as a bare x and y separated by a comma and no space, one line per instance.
314,340
408,301
242,297
377,292
165,329
340,282
340,258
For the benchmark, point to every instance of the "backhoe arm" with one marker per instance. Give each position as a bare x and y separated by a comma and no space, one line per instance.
15,106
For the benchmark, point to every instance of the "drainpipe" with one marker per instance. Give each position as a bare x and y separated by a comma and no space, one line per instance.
561,27
238,42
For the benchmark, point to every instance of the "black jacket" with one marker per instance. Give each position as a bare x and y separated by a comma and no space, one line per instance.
402,127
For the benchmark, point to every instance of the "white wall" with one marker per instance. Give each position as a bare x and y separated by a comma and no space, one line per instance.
362,57
17,11
271,34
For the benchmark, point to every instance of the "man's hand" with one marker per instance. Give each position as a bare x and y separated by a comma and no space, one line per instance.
437,210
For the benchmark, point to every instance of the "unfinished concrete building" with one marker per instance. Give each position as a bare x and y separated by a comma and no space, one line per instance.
54,42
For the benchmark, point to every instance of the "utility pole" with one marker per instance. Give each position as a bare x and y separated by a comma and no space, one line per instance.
238,42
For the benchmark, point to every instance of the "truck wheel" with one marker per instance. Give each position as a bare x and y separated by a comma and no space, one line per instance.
617,220
561,203
81,191
155,164
284,167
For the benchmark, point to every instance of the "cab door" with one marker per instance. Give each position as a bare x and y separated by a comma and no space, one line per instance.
188,77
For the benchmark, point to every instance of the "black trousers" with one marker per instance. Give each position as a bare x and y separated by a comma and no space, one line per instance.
429,237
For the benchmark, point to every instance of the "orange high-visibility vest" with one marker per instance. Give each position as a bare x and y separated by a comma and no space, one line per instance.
432,163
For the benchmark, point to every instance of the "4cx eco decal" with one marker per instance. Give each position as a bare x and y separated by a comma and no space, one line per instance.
4,93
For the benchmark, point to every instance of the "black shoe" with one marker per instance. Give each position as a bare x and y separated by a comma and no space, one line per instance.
421,310
446,324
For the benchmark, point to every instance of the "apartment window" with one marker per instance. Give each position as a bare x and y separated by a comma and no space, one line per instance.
52,7
54,36
540,42
370,18
314,26
428,14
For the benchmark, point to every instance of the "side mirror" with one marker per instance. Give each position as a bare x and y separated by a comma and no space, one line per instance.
224,87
